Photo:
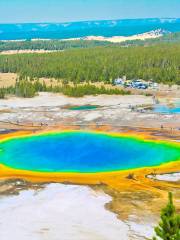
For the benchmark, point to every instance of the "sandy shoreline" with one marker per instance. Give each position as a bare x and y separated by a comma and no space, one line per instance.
119,39
113,39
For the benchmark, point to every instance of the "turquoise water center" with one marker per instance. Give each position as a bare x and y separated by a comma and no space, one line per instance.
165,109
81,107
84,152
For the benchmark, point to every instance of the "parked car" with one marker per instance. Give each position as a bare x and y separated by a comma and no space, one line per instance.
118,81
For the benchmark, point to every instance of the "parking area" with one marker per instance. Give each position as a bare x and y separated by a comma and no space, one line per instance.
136,83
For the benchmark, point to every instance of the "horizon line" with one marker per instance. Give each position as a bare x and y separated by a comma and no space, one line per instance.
94,20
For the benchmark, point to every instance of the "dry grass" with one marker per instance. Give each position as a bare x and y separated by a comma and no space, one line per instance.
7,79
12,52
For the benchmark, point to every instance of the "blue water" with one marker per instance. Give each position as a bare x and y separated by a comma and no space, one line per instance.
82,107
84,152
164,109
106,28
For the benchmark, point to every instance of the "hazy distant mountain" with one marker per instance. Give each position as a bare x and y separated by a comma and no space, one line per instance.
106,28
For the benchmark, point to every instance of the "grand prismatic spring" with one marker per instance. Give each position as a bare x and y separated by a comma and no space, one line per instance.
84,152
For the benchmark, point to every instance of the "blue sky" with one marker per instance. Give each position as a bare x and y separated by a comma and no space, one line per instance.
78,10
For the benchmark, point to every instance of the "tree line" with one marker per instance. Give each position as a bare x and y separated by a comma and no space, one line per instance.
58,45
27,89
160,63
54,45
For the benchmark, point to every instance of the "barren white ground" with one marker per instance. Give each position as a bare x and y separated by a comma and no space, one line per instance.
50,99
171,177
47,108
64,212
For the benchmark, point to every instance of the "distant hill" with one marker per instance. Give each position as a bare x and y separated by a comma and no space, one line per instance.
58,45
106,28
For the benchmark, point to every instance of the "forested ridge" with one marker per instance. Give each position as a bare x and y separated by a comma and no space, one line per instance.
160,63
58,45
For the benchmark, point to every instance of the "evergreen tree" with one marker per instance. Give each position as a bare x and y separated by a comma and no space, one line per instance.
101,64
2,93
169,226
25,89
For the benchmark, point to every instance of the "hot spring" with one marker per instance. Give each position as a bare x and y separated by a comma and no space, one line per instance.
81,107
165,109
84,152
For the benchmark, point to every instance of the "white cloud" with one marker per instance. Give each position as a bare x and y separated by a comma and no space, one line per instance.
66,24
169,20
43,25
